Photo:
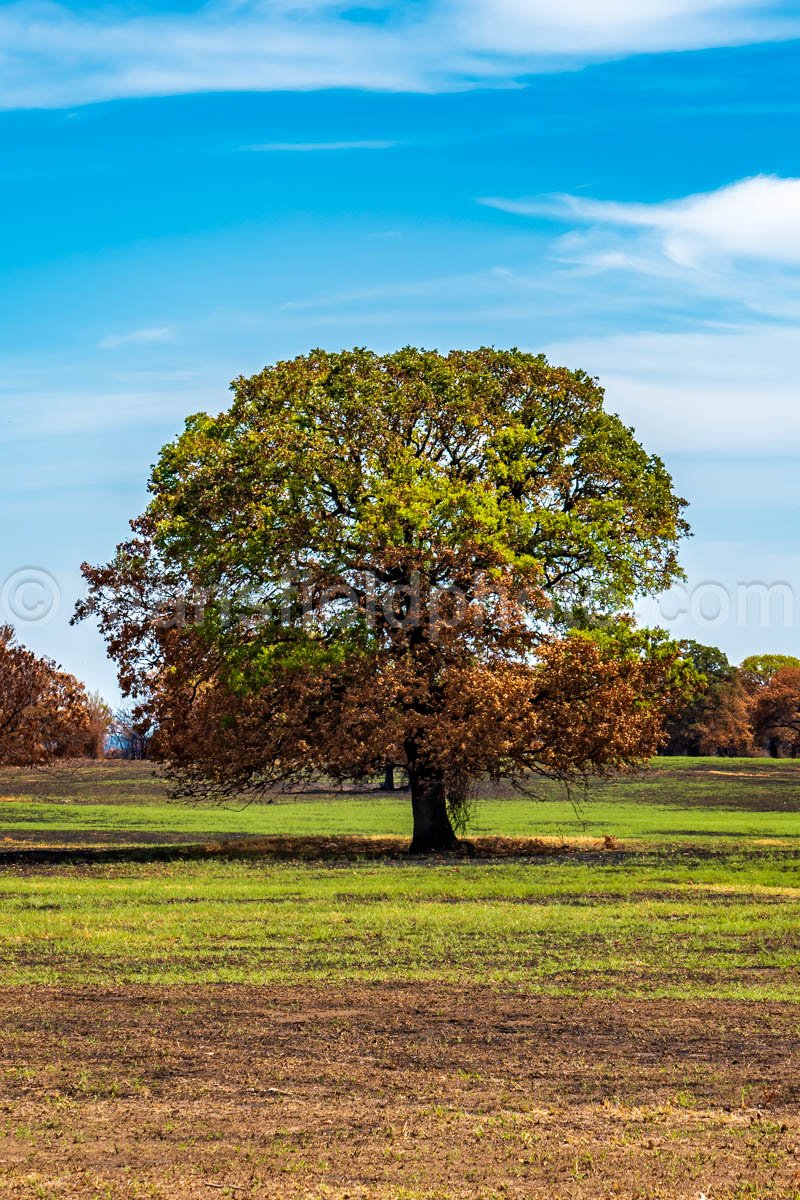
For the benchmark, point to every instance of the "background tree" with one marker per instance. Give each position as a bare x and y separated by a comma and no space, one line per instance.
43,711
715,720
776,711
371,559
757,672
758,669
98,713
131,733
725,729
684,727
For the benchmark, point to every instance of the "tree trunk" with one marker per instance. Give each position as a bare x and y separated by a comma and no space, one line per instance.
388,778
433,833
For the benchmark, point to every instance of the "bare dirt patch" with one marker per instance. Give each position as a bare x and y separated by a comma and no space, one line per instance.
394,1092
741,774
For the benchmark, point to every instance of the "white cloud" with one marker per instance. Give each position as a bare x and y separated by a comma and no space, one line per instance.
738,246
717,391
52,56
42,400
137,337
314,147
589,28
46,415
756,218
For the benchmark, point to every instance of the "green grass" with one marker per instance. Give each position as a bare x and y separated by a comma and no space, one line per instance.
724,928
511,818
683,800
707,906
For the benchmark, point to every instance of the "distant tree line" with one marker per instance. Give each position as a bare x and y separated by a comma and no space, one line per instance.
738,711
47,715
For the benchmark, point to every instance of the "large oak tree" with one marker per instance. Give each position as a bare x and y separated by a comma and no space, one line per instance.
411,558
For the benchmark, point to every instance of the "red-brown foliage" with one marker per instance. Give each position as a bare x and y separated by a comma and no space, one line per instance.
43,711
776,711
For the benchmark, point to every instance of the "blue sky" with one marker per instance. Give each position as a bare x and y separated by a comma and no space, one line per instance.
190,192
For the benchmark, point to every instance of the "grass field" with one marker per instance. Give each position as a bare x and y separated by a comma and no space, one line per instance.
679,800
610,1010
725,928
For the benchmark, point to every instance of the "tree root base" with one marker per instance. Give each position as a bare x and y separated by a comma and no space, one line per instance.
455,848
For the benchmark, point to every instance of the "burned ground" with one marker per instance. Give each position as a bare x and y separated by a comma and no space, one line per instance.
394,1091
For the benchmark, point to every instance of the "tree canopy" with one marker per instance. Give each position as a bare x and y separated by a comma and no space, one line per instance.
716,718
759,669
44,713
381,558
776,710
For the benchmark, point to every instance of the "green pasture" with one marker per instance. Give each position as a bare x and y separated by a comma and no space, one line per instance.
510,818
675,800
703,899
723,928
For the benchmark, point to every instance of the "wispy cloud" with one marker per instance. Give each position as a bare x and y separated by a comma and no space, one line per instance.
54,56
587,28
137,337
757,218
468,286
314,147
718,390
739,244
723,268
